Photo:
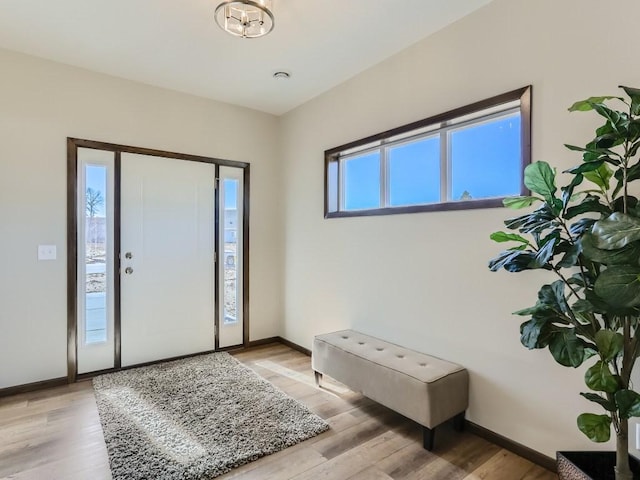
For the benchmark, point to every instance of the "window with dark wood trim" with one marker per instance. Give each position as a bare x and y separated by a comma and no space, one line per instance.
470,157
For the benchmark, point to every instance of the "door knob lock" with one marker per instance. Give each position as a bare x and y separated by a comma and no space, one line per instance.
128,270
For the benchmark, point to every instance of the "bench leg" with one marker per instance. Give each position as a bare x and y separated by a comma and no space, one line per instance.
428,435
318,377
458,422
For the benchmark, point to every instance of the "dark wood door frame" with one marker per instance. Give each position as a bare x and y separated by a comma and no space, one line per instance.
72,244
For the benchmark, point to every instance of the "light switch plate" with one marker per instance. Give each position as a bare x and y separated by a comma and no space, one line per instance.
47,252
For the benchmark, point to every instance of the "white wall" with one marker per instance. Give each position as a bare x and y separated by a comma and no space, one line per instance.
41,104
421,280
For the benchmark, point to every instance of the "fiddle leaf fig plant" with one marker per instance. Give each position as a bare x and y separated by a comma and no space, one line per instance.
586,234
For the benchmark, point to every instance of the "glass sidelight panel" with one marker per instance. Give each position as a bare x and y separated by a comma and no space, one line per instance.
230,265
230,268
95,308
95,281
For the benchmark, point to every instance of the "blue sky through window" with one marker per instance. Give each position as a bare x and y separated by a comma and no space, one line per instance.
485,159
414,173
230,193
362,182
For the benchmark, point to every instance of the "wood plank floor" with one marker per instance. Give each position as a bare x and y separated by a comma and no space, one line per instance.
55,434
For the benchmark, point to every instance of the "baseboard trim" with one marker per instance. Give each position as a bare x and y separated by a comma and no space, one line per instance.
32,387
263,341
295,346
515,447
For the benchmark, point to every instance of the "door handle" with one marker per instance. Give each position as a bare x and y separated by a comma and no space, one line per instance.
128,270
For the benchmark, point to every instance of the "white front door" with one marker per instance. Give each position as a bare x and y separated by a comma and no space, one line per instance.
167,258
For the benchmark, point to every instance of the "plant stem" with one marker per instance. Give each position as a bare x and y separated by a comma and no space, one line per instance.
562,277
625,165
623,472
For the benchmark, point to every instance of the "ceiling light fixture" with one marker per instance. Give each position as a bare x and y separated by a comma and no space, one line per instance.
282,74
245,18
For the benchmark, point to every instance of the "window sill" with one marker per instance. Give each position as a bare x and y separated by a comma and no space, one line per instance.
432,207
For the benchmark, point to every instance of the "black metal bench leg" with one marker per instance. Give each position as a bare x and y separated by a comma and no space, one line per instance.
428,435
458,422
318,377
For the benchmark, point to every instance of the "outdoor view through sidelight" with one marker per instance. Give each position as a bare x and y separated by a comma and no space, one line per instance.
230,250
95,254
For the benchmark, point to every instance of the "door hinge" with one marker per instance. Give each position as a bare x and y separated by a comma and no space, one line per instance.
216,182
215,257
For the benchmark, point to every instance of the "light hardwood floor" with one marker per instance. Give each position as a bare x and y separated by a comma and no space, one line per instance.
56,434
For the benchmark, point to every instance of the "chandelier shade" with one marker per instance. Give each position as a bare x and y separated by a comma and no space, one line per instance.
245,18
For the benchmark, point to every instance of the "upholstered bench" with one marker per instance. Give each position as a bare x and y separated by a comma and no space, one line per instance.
426,389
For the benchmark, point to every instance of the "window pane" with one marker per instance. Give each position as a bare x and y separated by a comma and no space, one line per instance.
362,182
414,173
231,217
485,159
332,187
96,251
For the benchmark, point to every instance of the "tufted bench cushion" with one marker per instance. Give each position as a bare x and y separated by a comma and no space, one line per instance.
426,389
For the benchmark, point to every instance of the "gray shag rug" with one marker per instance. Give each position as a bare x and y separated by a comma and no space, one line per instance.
195,418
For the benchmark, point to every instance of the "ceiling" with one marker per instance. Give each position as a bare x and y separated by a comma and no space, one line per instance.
176,44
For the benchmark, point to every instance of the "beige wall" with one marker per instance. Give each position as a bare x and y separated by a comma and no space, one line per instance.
421,280
41,104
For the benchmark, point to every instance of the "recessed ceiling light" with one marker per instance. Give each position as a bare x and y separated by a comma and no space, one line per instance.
282,74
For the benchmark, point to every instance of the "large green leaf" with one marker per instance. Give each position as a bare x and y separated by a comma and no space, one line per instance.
616,120
599,378
541,219
536,333
566,348
596,427
514,261
616,231
633,135
589,204
501,237
540,179
628,403
633,173
609,344
517,203
581,226
582,306
601,176
619,286
628,255
545,253
586,105
609,140
634,94
553,297
635,147
605,402
586,167
570,257
599,305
